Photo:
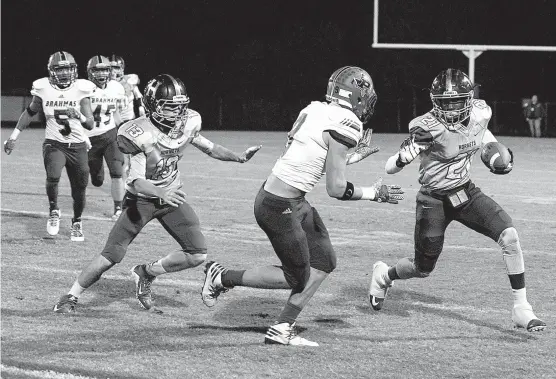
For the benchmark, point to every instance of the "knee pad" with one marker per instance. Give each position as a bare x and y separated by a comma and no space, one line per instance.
97,182
115,254
511,251
426,254
52,180
297,277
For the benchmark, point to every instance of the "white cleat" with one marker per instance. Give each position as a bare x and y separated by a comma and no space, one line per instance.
379,288
523,317
212,287
285,334
117,214
53,223
76,232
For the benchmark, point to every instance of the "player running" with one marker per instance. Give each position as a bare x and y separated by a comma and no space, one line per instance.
318,143
156,143
64,99
105,104
446,139
133,107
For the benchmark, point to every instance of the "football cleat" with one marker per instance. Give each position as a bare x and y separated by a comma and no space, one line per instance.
117,213
285,334
53,224
66,304
143,283
212,287
76,231
378,288
523,317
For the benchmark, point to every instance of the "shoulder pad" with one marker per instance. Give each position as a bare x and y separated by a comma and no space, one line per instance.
139,131
38,85
132,79
86,86
481,109
116,87
345,127
426,123
193,115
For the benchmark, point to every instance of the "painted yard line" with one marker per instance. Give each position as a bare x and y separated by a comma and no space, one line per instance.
41,374
346,238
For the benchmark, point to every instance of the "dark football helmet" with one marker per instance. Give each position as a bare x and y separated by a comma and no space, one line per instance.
62,69
352,88
118,66
452,94
166,101
99,70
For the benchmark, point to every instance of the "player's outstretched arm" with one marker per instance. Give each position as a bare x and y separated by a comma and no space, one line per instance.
23,122
222,153
363,148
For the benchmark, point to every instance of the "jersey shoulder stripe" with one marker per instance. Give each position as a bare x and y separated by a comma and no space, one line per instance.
344,123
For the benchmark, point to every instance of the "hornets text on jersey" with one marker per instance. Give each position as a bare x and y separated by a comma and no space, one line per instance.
154,155
56,101
104,103
303,162
446,163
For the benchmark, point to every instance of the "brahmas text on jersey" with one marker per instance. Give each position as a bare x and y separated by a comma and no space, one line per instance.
104,103
154,155
56,101
446,164
302,163
130,83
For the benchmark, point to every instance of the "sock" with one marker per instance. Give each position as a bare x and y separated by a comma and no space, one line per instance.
392,273
289,313
78,219
76,290
78,195
117,205
231,278
520,296
155,268
52,193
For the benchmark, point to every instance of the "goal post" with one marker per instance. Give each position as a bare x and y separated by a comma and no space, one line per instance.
471,51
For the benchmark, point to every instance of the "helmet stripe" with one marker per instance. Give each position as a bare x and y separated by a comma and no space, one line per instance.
449,80
177,87
339,72
62,56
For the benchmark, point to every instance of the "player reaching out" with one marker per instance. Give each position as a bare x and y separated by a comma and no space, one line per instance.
446,139
64,99
156,143
318,143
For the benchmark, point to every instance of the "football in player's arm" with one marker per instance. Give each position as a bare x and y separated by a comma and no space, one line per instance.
446,139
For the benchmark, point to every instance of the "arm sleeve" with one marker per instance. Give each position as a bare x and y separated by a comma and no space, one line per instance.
344,140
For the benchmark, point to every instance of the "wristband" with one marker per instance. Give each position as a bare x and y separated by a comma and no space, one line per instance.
348,193
399,163
15,134
369,193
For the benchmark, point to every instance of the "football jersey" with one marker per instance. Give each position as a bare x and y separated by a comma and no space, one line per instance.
104,102
446,164
156,155
130,83
303,162
56,101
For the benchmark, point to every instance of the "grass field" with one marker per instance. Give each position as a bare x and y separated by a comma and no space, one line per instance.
454,324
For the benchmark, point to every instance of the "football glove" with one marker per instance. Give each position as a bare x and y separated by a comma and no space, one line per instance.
363,148
73,113
508,168
409,150
248,154
387,193
9,145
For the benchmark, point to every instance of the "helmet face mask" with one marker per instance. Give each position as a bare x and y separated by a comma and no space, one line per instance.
99,70
62,69
451,95
352,88
166,102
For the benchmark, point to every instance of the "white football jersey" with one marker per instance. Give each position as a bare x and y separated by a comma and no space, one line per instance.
104,102
158,155
303,162
130,83
56,101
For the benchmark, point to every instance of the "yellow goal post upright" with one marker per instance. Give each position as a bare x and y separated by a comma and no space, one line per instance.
470,51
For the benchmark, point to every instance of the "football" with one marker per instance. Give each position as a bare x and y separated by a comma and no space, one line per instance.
495,156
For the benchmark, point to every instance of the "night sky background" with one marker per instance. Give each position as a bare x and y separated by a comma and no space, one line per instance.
261,61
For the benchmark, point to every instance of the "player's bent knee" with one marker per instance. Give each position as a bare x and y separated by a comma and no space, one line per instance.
508,237
52,180
96,182
115,254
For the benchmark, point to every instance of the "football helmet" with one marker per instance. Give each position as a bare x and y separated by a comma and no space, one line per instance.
352,88
451,95
118,66
99,70
166,101
62,69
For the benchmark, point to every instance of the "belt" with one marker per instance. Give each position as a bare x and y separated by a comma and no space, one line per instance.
155,200
441,195
64,144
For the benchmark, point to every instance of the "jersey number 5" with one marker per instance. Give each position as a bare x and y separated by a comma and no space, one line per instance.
62,118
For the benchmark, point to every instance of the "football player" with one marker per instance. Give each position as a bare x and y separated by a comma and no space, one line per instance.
106,103
446,139
65,101
156,143
133,107
318,143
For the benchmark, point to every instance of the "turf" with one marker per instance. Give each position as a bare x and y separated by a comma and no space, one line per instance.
454,324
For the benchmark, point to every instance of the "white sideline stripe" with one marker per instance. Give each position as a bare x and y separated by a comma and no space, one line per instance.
41,374
344,236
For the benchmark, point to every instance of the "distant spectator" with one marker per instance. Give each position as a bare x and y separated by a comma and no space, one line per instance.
534,113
